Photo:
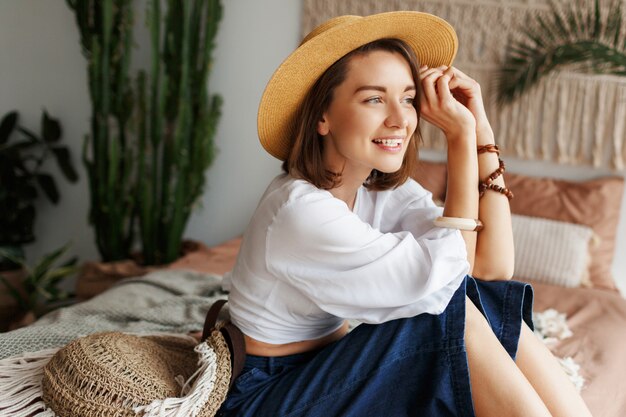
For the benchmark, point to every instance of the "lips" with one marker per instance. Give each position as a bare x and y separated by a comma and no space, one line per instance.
390,143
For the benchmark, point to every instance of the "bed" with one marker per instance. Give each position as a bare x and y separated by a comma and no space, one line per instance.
589,339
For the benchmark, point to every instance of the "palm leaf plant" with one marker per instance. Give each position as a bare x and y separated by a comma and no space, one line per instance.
22,178
40,285
590,36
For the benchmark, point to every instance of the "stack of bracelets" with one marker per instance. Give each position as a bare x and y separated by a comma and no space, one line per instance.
488,183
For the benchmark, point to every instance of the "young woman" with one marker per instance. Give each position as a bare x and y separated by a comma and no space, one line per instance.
345,233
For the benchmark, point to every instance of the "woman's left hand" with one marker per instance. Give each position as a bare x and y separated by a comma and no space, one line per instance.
467,91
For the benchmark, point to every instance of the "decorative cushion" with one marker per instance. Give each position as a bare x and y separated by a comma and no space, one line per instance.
551,251
594,203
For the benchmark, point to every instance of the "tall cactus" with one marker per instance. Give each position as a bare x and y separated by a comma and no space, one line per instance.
153,175
178,119
106,34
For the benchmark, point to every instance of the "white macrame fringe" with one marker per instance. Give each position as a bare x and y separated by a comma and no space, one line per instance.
195,390
20,385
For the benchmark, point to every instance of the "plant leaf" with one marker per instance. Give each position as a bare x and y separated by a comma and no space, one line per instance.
47,184
63,158
11,257
30,135
7,125
44,265
50,128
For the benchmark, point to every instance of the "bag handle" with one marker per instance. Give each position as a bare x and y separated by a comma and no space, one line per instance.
233,336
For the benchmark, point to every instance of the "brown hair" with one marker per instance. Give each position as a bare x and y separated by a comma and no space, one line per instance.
305,159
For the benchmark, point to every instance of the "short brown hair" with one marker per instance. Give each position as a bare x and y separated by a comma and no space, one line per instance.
305,156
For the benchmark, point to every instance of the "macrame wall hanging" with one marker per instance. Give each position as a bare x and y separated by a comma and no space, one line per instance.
567,117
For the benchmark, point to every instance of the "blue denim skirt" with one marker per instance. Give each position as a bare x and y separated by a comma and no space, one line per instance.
407,367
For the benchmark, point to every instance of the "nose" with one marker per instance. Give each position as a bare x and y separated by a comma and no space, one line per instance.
397,117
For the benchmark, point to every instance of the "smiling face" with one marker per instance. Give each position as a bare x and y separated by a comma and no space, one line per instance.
371,118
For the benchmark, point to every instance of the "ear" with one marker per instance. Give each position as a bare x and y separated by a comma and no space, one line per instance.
322,126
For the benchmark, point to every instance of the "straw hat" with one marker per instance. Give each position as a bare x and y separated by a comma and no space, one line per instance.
117,374
432,38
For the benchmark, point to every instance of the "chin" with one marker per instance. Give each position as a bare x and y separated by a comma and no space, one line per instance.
389,168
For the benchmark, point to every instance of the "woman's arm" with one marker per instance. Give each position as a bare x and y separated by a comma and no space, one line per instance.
457,108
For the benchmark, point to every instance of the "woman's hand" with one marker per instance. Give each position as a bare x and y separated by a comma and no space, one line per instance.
440,106
467,92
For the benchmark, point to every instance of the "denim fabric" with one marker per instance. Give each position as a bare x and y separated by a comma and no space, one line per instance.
408,367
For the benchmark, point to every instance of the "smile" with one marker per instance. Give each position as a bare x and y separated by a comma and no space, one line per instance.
393,144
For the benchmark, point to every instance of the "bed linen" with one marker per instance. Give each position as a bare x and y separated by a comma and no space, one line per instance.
597,319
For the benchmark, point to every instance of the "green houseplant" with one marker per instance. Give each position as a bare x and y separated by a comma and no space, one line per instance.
39,287
149,173
22,178
570,33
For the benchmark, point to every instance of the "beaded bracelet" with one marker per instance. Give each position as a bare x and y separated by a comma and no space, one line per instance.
489,148
482,187
488,183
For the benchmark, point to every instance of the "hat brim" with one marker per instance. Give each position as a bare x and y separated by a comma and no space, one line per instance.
432,39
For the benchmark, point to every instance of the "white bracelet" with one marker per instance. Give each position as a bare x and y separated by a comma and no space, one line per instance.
460,223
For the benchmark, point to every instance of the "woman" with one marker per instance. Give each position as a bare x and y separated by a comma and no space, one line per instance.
345,234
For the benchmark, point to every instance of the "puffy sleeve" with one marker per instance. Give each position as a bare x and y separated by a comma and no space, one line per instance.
352,270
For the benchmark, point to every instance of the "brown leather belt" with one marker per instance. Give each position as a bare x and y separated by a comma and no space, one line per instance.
234,339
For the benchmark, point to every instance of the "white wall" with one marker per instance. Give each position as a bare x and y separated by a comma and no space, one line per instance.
41,66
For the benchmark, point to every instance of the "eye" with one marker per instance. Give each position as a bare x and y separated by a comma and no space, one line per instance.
409,100
374,100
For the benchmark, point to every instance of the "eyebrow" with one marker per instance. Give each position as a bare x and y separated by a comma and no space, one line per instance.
379,88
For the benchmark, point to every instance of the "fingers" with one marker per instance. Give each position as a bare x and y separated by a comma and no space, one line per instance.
443,85
428,79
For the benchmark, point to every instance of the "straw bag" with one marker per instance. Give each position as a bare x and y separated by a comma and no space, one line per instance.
116,374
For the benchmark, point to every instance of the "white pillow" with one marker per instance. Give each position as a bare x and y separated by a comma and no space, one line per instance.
551,251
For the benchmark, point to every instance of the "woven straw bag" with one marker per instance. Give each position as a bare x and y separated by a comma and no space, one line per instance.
117,374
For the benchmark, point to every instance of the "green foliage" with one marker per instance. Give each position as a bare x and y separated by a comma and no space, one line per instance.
22,154
178,120
40,285
108,154
578,32
150,176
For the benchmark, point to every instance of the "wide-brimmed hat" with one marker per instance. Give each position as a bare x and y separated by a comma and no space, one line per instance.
432,39
117,374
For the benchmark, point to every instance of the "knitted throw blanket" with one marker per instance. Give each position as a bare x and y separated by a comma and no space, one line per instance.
163,301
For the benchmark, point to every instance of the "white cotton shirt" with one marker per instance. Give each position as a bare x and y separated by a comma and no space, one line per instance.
307,262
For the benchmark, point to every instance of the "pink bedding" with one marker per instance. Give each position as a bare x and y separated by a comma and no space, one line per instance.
598,320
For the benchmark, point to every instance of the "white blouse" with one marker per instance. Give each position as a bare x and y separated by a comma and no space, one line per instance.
307,262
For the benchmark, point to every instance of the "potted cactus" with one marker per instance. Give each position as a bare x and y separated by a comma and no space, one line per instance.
149,147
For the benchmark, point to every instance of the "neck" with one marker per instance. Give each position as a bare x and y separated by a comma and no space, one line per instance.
348,189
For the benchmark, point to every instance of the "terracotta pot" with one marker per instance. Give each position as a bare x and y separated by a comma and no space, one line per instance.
22,320
8,306
96,277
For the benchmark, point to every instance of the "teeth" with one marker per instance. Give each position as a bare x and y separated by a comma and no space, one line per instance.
389,142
